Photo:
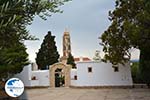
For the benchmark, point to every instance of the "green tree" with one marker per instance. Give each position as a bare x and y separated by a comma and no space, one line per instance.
12,60
13,56
130,28
70,60
47,54
15,15
135,73
97,56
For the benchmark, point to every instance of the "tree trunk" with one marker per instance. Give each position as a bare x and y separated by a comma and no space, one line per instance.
144,65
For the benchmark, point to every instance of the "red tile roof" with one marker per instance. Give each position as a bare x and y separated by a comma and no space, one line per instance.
76,59
86,59
82,59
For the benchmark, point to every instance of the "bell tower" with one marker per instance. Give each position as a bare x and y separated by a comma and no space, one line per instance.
66,46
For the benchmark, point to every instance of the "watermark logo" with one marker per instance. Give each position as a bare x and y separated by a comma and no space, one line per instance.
14,87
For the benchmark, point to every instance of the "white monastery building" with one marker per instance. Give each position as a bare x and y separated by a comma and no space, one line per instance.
88,73
100,74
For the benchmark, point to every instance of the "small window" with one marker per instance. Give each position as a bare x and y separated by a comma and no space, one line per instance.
33,78
116,69
75,77
89,69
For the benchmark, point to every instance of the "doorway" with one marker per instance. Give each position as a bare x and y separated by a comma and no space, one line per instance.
59,78
60,75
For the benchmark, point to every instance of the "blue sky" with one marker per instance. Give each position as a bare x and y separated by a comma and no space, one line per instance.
85,19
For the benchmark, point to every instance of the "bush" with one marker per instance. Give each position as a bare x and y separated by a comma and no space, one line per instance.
136,73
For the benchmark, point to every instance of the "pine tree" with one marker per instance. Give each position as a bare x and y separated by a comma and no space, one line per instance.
70,60
13,56
47,54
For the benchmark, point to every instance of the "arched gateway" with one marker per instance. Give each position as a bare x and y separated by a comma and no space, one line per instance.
65,71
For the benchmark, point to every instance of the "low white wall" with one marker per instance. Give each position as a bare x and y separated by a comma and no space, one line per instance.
41,77
102,75
25,75
72,74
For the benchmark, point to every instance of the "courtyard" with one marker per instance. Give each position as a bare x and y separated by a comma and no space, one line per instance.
87,94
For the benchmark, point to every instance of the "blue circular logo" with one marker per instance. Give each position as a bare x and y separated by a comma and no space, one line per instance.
14,87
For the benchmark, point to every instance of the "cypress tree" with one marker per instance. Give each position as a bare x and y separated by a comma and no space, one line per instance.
47,54
70,60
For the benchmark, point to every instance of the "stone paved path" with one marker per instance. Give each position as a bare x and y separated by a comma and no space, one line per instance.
88,94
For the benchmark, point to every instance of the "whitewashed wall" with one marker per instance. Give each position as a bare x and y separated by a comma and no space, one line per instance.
72,74
102,75
25,75
41,77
